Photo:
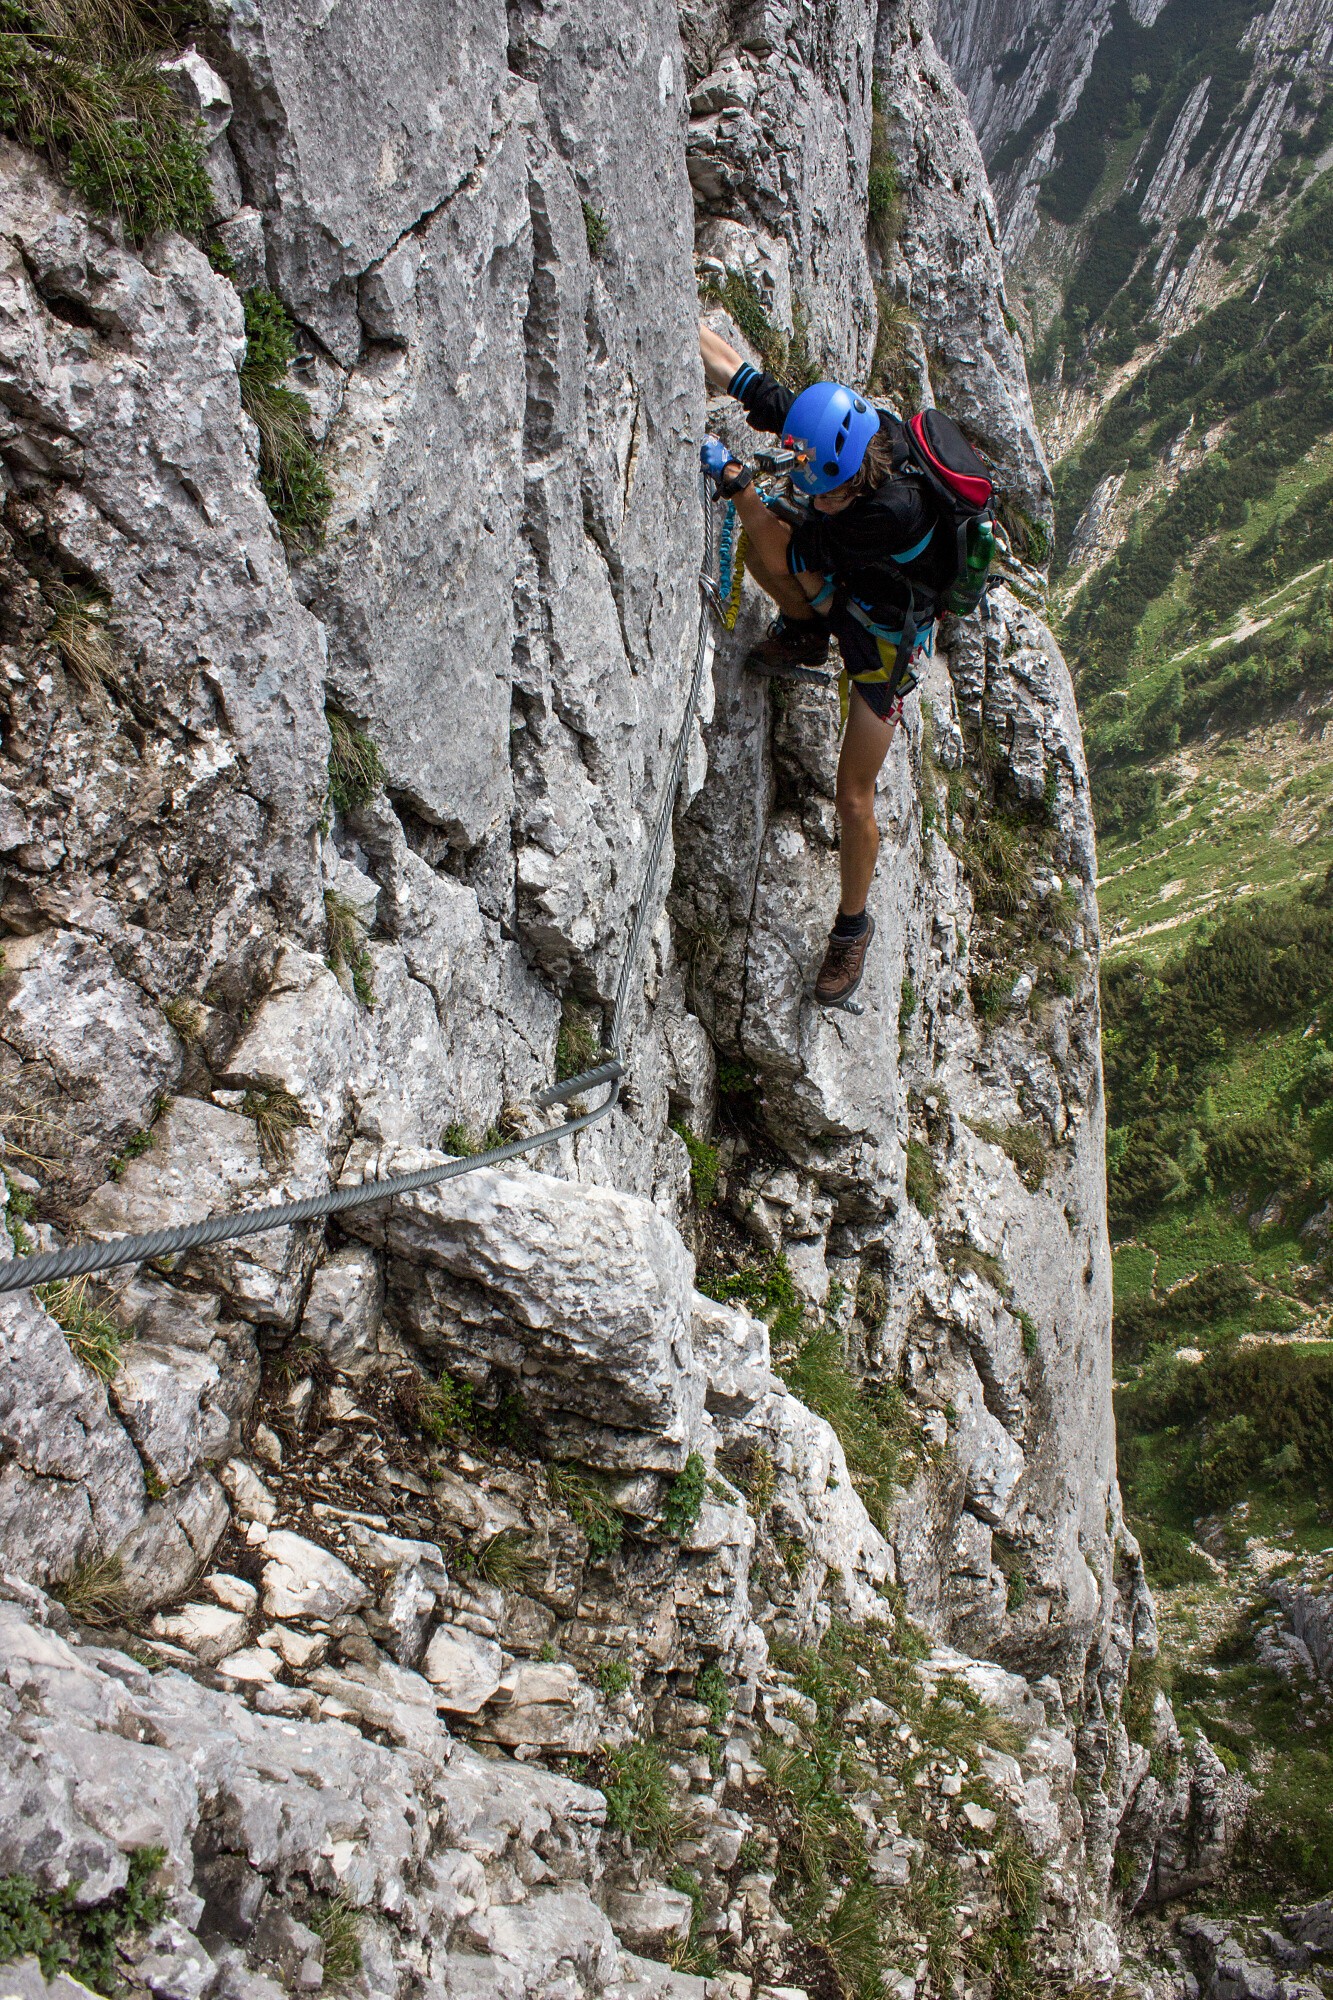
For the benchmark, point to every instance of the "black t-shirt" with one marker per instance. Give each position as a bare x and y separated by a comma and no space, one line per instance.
851,546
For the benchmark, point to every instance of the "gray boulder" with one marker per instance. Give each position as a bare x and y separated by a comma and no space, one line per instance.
580,1295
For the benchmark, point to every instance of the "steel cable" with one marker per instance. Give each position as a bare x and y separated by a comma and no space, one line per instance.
81,1259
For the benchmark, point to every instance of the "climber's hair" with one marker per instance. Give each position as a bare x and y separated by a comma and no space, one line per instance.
874,468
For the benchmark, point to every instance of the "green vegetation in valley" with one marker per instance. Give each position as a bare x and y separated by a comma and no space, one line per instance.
1220,1093
1205,1103
1137,85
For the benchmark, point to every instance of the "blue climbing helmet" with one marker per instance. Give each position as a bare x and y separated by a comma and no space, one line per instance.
828,427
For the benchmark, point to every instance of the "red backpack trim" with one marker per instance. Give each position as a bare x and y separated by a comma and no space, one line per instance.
966,476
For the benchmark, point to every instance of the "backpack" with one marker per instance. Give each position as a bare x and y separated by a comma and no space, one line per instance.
932,448
961,490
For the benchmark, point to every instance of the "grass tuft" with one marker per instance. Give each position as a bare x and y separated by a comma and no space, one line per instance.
789,360
81,637
505,1561
91,1332
963,1256
276,1114
872,1424
923,1182
704,1165
585,1501
290,472
1025,1145
79,82
758,1481
639,1800
95,1592
347,946
187,1017
578,1044
356,769
710,1688
337,1922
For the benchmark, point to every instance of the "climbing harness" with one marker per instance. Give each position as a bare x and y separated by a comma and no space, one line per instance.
79,1259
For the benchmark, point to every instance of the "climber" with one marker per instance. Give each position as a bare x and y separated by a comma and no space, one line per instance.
861,567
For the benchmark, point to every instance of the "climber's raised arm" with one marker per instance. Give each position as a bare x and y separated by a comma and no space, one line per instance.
719,358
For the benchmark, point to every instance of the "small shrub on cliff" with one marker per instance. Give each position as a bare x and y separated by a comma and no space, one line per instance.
81,1941
290,473
596,228
439,1410
768,1289
614,1677
884,202
685,1497
79,82
704,1165
586,1502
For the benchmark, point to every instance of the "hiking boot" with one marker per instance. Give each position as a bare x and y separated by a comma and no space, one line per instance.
794,650
843,967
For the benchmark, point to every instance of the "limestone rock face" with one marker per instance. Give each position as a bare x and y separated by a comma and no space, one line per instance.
582,1296
124,429
72,1482
482,1465
77,1034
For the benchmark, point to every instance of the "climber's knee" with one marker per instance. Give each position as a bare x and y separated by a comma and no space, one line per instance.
854,797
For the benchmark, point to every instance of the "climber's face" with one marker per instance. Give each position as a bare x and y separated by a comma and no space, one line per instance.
834,502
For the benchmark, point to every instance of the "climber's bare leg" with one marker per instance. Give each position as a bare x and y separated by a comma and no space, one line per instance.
767,540
865,745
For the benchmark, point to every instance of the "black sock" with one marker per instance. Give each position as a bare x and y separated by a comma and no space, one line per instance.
851,927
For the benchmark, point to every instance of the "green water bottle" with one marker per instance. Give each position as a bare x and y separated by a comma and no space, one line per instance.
984,542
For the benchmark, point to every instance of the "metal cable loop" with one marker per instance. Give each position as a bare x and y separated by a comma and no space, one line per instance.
81,1259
